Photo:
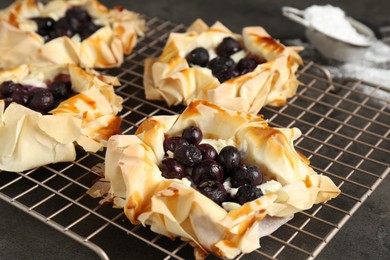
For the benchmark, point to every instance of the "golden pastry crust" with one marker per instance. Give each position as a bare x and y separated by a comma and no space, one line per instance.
30,139
105,48
173,208
170,78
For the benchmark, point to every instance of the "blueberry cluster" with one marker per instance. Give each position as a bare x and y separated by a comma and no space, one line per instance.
75,21
223,66
207,170
39,99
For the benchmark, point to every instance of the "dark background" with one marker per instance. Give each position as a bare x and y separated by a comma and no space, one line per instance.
366,234
237,14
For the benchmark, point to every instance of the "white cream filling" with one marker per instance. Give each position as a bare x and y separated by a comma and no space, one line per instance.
212,54
34,79
76,37
271,186
238,55
170,154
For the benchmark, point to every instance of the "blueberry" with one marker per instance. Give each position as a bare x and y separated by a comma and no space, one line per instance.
172,169
172,143
47,37
63,28
207,170
52,35
235,73
45,26
74,24
42,100
227,47
8,101
75,21
255,57
247,193
192,134
214,190
229,157
7,88
60,89
198,56
76,13
39,99
246,174
188,155
81,22
208,151
88,30
58,101
20,94
246,65
222,68
62,77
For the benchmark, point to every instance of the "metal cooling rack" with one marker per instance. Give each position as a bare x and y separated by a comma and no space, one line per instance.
345,128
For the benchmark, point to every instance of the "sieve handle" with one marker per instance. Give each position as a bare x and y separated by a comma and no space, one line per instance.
295,15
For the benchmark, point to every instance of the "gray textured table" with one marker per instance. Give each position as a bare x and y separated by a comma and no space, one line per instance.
365,236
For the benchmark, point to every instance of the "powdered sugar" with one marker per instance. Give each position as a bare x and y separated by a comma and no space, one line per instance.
332,21
374,67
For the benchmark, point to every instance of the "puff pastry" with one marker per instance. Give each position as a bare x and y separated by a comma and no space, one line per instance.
170,78
29,139
20,43
173,208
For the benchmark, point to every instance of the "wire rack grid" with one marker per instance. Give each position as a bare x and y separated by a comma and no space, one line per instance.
345,130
